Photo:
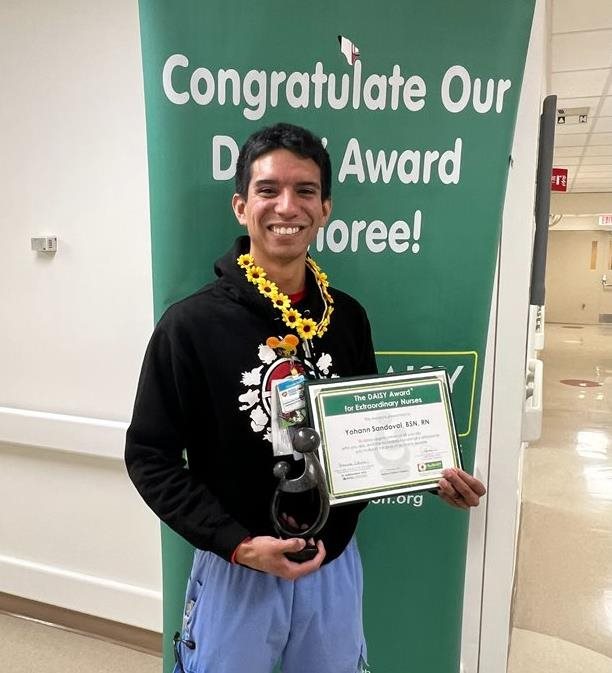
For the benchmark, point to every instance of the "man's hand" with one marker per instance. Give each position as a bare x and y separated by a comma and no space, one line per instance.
268,555
460,489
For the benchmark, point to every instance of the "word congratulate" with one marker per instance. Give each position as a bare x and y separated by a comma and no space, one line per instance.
259,89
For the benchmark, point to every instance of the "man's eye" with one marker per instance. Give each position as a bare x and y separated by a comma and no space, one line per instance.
265,191
307,191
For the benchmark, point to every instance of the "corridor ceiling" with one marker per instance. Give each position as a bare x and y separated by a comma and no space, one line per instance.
581,76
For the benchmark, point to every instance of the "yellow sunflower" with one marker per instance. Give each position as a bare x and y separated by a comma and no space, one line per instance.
307,329
291,317
281,301
267,288
245,261
254,274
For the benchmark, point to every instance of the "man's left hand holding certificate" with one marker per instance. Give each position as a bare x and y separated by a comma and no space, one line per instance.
460,489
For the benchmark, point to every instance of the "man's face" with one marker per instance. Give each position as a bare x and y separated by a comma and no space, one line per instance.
283,209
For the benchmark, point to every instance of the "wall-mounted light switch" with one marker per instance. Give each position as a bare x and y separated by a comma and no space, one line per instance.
44,244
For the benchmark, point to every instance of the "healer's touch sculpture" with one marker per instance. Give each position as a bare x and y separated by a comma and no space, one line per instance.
310,487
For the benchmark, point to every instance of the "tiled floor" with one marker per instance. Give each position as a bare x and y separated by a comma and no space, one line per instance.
30,647
562,611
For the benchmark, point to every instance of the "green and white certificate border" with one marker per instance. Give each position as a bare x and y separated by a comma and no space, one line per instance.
317,391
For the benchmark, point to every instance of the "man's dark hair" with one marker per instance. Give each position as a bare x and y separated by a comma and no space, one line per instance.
282,136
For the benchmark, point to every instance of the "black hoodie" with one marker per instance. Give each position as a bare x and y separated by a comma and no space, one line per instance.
204,388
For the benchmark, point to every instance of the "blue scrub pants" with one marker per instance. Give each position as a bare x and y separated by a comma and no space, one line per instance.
238,620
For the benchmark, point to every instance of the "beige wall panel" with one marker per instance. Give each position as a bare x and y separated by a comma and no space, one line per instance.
574,292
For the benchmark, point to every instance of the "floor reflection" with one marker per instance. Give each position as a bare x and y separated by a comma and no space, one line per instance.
562,610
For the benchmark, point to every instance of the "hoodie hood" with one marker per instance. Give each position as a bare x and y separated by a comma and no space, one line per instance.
226,267
233,280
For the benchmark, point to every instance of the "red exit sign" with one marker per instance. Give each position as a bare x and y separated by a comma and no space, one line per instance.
558,182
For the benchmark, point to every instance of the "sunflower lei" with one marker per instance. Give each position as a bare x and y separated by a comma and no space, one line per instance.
305,327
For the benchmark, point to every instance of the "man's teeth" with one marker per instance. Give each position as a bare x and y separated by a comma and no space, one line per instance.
284,231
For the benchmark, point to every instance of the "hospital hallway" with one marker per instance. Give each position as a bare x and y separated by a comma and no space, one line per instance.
562,607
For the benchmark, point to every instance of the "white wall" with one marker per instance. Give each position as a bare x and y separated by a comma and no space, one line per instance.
74,325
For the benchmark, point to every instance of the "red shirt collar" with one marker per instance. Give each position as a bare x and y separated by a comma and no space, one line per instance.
298,296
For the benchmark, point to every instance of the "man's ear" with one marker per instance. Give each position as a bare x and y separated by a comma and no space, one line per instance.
238,206
327,208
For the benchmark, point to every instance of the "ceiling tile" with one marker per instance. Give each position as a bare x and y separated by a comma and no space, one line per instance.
596,169
596,139
565,162
602,124
598,151
597,161
590,176
567,151
570,15
579,102
571,140
590,188
593,189
595,179
582,83
578,51
592,181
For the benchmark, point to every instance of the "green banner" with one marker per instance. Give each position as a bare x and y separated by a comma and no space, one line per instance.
417,103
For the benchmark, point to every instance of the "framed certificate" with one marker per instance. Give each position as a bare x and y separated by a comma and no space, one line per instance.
384,434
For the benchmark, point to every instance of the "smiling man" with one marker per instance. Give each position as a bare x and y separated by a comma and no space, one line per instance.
206,388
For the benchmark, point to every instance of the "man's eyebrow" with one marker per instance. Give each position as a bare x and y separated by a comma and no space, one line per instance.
259,183
268,182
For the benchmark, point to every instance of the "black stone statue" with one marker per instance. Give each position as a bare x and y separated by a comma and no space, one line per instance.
309,490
